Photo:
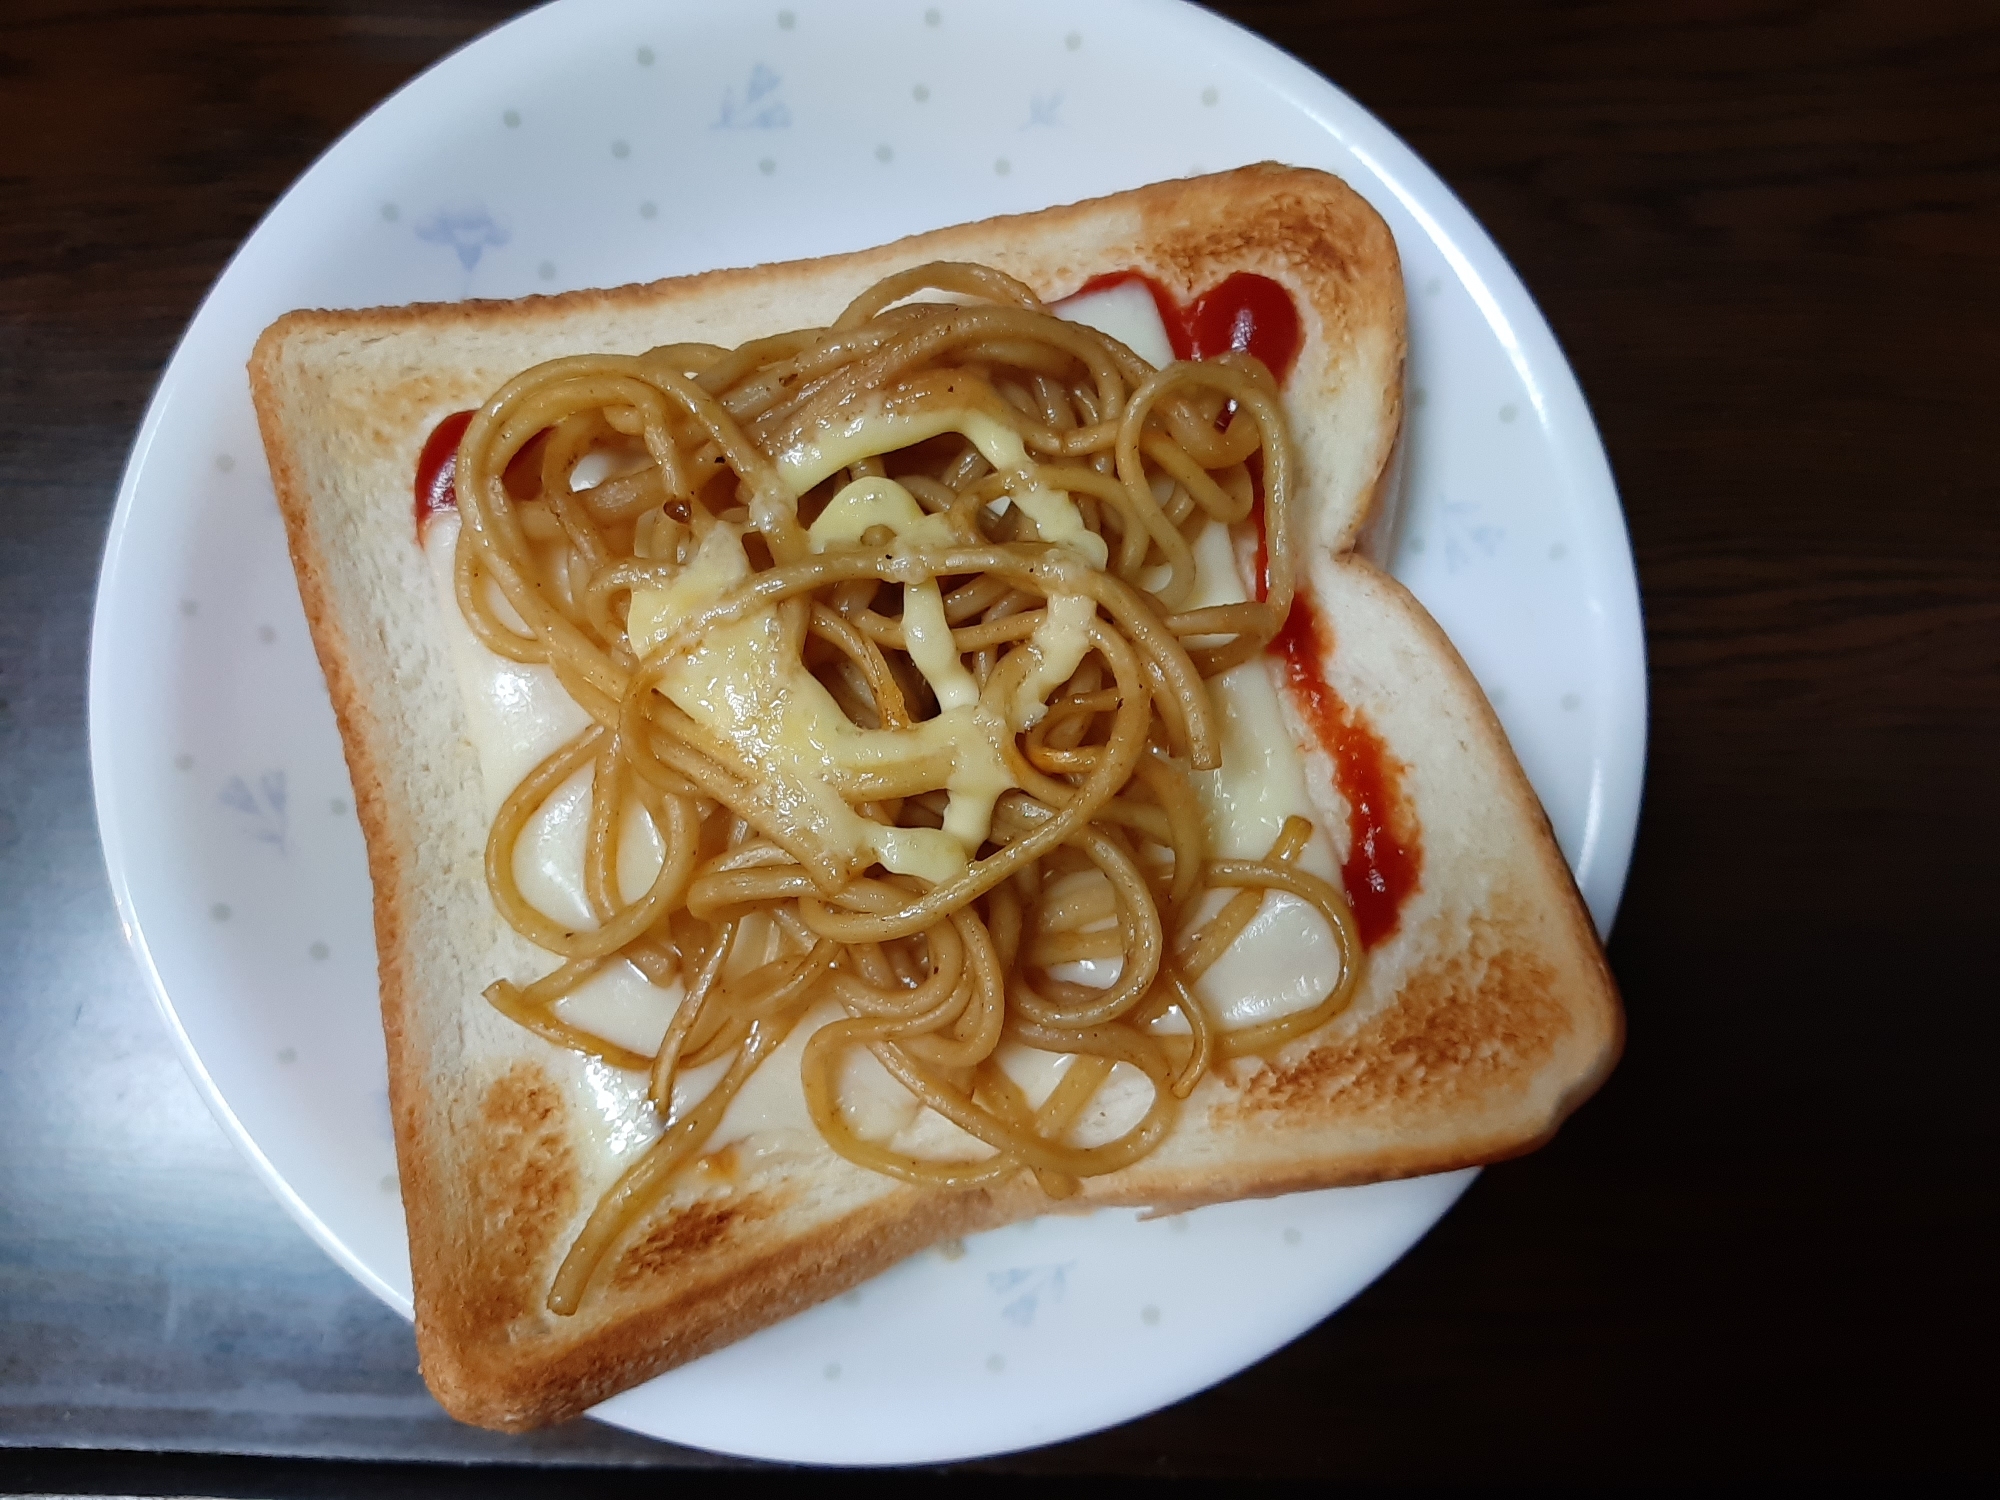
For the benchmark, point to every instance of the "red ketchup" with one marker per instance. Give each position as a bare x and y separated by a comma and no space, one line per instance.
436,467
1384,864
1246,312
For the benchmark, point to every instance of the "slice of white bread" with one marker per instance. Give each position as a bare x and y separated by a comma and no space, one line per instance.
1479,1023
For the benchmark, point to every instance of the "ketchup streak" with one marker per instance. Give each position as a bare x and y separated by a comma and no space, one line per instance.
1381,870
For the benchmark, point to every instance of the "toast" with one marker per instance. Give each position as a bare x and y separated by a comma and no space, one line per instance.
1481,1020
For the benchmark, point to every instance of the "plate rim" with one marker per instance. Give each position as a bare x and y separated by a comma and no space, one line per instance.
1499,290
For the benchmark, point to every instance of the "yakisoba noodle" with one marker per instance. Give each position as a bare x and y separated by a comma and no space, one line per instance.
945,553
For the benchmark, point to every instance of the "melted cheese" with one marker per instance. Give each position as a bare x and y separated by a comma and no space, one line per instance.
516,714
1128,313
867,504
745,684
875,429
1060,643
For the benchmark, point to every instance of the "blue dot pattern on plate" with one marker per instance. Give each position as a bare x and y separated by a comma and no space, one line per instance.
259,805
761,106
1026,1289
468,232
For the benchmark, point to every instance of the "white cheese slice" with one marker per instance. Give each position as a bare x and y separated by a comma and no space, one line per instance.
1128,313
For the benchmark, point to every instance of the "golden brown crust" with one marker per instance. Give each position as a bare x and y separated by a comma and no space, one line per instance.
1485,1022
670,1319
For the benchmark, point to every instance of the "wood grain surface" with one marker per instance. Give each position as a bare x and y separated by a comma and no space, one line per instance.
1766,236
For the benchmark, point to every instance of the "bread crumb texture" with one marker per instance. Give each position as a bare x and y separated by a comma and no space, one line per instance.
1304,222
1465,1024
524,1190
663,1250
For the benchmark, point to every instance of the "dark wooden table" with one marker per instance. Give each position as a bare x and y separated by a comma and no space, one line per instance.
1767,235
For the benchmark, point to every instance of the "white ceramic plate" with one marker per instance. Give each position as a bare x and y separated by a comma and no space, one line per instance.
590,144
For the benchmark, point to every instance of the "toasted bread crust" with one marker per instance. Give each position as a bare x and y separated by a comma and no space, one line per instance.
494,1357
1480,1024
